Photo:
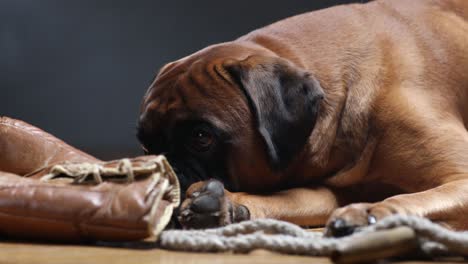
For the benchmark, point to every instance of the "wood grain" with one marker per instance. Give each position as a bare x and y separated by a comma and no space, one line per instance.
22,253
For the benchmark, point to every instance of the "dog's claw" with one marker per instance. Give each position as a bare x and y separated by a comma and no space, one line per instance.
371,220
340,228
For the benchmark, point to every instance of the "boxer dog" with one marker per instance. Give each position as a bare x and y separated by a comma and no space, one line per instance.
350,114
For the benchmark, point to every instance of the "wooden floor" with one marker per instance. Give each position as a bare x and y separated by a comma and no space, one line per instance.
16,253
63,254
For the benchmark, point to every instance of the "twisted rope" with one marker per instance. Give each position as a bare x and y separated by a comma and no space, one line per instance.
284,237
124,170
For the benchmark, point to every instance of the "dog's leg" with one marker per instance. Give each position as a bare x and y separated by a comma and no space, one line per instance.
446,204
422,150
208,204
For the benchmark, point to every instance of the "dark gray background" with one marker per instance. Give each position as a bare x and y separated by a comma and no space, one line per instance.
78,69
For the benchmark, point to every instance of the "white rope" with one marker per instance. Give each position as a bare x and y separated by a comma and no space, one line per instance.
285,237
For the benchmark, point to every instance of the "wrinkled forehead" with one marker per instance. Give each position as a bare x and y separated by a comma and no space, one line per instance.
158,116
196,92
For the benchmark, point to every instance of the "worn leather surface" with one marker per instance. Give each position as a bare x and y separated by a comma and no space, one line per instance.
25,148
59,209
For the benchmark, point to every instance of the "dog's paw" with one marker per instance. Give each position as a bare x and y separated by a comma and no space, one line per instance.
344,221
206,205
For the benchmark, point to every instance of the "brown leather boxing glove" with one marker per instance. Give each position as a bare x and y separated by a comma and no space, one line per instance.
68,195
25,148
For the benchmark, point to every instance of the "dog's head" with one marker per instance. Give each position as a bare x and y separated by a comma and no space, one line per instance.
230,112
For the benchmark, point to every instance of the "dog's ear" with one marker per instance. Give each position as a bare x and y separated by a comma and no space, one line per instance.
284,100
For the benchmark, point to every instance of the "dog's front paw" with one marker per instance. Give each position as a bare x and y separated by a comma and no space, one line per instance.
206,205
346,220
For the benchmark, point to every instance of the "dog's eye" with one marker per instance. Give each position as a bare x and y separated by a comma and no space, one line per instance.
201,139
